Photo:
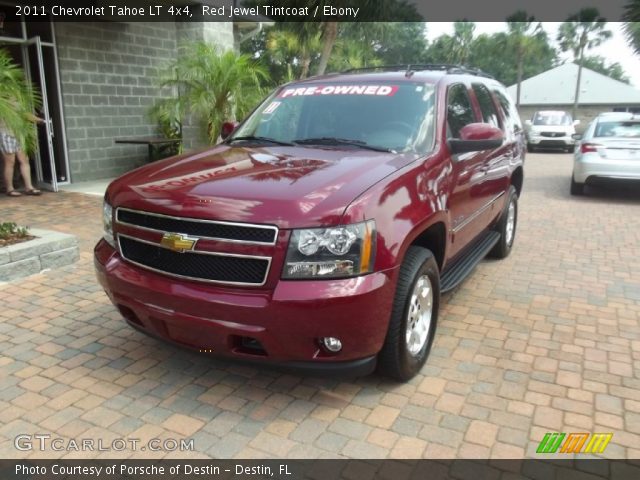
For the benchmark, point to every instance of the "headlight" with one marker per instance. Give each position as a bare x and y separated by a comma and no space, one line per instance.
107,223
344,251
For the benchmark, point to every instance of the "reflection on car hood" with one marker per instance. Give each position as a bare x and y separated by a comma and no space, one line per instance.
285,186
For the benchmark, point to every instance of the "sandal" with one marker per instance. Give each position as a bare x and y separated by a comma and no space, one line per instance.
33,192
13,193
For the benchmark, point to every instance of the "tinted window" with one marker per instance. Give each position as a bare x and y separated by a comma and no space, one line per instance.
459,110
397,116
487,107
508,110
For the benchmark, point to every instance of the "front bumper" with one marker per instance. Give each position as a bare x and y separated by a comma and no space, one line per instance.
592,166
286,321
551,142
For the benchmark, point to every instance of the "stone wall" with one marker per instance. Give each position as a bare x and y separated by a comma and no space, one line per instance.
108,72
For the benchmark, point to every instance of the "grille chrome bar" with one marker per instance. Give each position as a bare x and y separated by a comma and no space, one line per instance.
187,225
195,253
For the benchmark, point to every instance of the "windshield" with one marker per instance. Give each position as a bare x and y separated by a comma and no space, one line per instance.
397,117
618,129
552,118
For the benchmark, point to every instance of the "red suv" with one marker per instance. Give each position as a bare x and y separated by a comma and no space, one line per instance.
322,231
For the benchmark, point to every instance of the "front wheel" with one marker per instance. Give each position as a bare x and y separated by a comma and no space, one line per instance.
414,316
506,226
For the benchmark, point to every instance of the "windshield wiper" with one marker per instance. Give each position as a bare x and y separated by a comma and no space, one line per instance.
342,141
252,138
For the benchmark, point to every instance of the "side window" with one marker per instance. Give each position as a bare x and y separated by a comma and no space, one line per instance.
487,107
459,110
510,113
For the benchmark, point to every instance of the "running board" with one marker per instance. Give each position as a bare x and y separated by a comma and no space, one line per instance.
465,265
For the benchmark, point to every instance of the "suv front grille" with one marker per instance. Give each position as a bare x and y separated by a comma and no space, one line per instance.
552,134
196,265
208,229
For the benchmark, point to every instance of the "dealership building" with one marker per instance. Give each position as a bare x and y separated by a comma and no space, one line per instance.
98,81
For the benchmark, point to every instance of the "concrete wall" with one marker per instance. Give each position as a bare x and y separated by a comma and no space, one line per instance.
585,114
108,73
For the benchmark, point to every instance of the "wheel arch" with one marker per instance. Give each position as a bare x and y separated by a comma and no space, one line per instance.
517,179
433,238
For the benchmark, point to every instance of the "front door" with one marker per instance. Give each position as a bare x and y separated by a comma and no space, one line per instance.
45,157
466,201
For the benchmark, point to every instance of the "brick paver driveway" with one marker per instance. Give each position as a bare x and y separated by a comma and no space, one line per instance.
547,340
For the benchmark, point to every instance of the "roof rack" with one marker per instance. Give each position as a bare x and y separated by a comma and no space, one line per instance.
411,68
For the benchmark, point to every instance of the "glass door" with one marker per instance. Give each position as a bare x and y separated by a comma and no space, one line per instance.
45,157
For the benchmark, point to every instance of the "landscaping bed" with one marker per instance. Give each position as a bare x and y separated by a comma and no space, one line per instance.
25,251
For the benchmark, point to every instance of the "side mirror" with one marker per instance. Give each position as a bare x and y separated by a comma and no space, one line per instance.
227,129
576,123
476,137
528,123
577,136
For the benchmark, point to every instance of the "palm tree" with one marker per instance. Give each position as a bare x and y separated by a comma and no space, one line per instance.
631,25
302,42
461,41
582,31
18,99
522,30
213,86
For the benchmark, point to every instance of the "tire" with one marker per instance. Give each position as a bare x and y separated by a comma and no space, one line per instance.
576,188
396,359
570,149
530,148
506,226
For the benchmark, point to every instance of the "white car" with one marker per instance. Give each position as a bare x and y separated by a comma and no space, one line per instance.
609,148
551,129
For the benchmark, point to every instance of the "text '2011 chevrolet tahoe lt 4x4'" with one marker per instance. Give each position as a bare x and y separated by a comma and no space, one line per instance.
322,231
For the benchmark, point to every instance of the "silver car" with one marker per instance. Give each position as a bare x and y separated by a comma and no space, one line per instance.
609,148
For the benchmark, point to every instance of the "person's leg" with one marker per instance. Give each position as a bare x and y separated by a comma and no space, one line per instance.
9,160
25,170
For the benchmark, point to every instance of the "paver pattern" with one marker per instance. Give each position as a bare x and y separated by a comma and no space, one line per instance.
546,340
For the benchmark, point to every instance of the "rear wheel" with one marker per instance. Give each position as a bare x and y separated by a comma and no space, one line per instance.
414,316
576,188
506,226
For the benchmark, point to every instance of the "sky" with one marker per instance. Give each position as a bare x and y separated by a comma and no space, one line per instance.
615,49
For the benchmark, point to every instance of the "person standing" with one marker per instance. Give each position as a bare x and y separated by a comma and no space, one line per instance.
11,150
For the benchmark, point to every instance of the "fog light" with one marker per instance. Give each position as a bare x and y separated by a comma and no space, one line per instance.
332,344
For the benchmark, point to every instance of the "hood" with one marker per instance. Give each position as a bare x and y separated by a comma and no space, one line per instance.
284,186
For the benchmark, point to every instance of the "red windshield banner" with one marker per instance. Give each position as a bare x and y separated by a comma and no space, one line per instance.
379,90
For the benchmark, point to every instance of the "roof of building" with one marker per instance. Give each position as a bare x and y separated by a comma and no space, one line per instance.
558,85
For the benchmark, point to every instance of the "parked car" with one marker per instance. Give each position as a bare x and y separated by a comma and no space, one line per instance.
551,129
609,149
322,231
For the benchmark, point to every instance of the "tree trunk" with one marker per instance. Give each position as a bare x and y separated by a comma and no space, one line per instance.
306,61
520,68
329,37
576,97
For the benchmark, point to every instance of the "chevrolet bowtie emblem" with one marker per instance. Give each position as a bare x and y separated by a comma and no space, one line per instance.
178,242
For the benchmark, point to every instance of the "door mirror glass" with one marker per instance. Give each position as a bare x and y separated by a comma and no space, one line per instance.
577,136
